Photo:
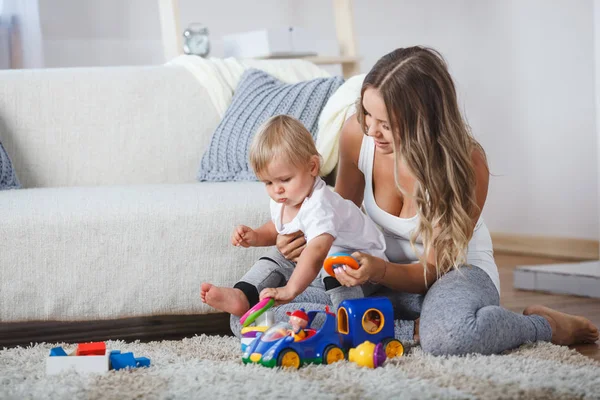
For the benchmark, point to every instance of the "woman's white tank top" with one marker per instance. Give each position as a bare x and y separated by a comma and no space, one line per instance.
397,230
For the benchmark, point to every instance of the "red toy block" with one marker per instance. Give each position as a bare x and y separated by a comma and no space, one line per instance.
91,349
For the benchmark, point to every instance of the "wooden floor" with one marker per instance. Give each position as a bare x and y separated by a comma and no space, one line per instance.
517,300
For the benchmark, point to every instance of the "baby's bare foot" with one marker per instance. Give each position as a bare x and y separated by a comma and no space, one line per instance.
230,300
566,329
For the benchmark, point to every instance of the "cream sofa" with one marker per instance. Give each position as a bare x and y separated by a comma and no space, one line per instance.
111,222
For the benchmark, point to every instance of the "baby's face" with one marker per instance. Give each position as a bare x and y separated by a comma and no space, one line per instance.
286,183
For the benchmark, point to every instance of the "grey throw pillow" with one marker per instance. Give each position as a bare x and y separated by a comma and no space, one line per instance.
8,178
258,97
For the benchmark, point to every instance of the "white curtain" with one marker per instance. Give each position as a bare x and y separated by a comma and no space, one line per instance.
4,40
21,44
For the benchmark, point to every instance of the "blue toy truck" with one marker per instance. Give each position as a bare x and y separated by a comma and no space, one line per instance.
357,321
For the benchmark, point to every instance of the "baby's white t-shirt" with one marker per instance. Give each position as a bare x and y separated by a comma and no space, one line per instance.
325,211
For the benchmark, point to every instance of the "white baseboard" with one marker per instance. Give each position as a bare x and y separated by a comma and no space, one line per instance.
554,247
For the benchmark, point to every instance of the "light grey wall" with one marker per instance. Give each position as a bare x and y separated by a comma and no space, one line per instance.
100,33
524,70
127,32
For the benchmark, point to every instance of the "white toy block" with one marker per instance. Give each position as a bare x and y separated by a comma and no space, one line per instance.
81,364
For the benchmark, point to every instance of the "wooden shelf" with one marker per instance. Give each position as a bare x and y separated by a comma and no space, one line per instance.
344,24
327,60
321,60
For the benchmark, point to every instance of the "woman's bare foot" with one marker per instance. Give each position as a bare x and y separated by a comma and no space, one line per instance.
566,329
230,300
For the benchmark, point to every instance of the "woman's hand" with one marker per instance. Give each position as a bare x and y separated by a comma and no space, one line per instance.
244,236
371,269
281,295
291,245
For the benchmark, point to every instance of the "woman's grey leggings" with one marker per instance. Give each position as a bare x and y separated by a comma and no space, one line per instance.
460,314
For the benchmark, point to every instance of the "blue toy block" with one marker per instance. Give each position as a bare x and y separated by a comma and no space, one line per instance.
57,351
142,362
120,361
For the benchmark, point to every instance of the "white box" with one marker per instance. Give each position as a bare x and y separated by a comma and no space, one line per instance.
269,43
580,279
82,364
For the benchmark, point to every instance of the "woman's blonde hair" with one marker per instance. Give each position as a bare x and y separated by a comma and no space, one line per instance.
433,140
281,136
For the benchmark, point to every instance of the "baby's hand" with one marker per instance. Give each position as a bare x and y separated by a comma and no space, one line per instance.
282,295
244,236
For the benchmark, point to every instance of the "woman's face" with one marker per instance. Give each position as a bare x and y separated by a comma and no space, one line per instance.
377,121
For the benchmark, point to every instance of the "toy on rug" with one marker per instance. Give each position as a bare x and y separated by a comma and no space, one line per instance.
263,319
368,355
357,321
91,357
261,316
259,309
338,260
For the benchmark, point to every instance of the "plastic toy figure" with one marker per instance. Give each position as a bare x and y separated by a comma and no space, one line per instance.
298,321
372,321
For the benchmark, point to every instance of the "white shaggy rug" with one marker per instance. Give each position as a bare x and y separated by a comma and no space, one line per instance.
211,367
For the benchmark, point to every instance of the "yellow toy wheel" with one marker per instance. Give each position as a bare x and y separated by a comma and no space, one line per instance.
288,358
393,348
333,354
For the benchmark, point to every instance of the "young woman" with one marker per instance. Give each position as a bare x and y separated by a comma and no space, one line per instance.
409,156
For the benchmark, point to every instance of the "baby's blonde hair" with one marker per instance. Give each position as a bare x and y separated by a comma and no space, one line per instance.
281,136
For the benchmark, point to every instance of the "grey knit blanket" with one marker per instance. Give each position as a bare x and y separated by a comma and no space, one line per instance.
8,178
258,97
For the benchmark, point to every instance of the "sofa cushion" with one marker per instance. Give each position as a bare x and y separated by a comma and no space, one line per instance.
105,125
83,253
258,97
8,178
